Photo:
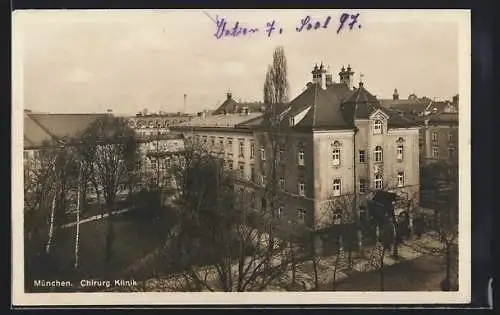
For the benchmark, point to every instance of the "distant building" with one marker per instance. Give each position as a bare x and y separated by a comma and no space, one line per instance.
231,106
45,131
439,139
152,125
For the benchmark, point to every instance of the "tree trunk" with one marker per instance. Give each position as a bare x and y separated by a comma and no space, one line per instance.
382,269
51,226
77,233
109,239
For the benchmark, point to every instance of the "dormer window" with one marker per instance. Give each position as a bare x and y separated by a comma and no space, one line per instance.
377,126
292,121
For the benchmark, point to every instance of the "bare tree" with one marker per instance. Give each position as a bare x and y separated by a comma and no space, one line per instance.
112,146
222,244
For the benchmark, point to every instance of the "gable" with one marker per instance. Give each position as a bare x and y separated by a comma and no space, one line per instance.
379,114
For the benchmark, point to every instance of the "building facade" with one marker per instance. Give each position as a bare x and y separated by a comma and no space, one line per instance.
335,142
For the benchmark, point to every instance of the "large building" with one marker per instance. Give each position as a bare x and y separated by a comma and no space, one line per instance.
157,150
337,141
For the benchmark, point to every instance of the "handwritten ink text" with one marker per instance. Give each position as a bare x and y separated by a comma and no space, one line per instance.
235,31
346,21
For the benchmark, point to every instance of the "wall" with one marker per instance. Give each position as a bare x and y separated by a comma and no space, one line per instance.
324,170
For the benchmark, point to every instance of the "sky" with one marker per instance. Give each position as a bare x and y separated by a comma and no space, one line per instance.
127,60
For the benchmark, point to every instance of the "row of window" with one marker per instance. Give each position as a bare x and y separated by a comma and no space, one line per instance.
336,187
337,214
436,150
451,136
336,151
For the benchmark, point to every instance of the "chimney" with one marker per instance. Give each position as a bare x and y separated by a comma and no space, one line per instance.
395,95
323,81
346,76
329,79
229,95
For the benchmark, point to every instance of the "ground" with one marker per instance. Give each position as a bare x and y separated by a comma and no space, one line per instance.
422,274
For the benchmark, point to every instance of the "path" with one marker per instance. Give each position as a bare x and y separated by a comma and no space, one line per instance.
95,217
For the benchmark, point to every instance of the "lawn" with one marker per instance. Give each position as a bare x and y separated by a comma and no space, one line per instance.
133,240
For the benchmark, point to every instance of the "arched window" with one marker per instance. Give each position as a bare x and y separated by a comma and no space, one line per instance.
336,153
378,181
377,126
337,187
150,124
400,151
378,154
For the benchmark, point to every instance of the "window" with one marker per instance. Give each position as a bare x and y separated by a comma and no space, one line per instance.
378,154
451,152
241,170
212,141
281,155
361,156
336,187
221,145
280,211
252,150
282,184
252,173
262,153
230,165
336,156
301,158
230,146
242,148
263,203
263,180
450,136
362,186
377,127
378,181
401,179
168,163
154,164
434,136
301,213
337,216
302,189
399,154
435,152
204,139
292,121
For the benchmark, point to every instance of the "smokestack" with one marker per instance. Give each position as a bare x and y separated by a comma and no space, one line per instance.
185,102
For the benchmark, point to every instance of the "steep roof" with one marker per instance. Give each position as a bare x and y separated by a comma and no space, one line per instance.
230,106
336,107
222,120
414,106
444,117
445,106
52,127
